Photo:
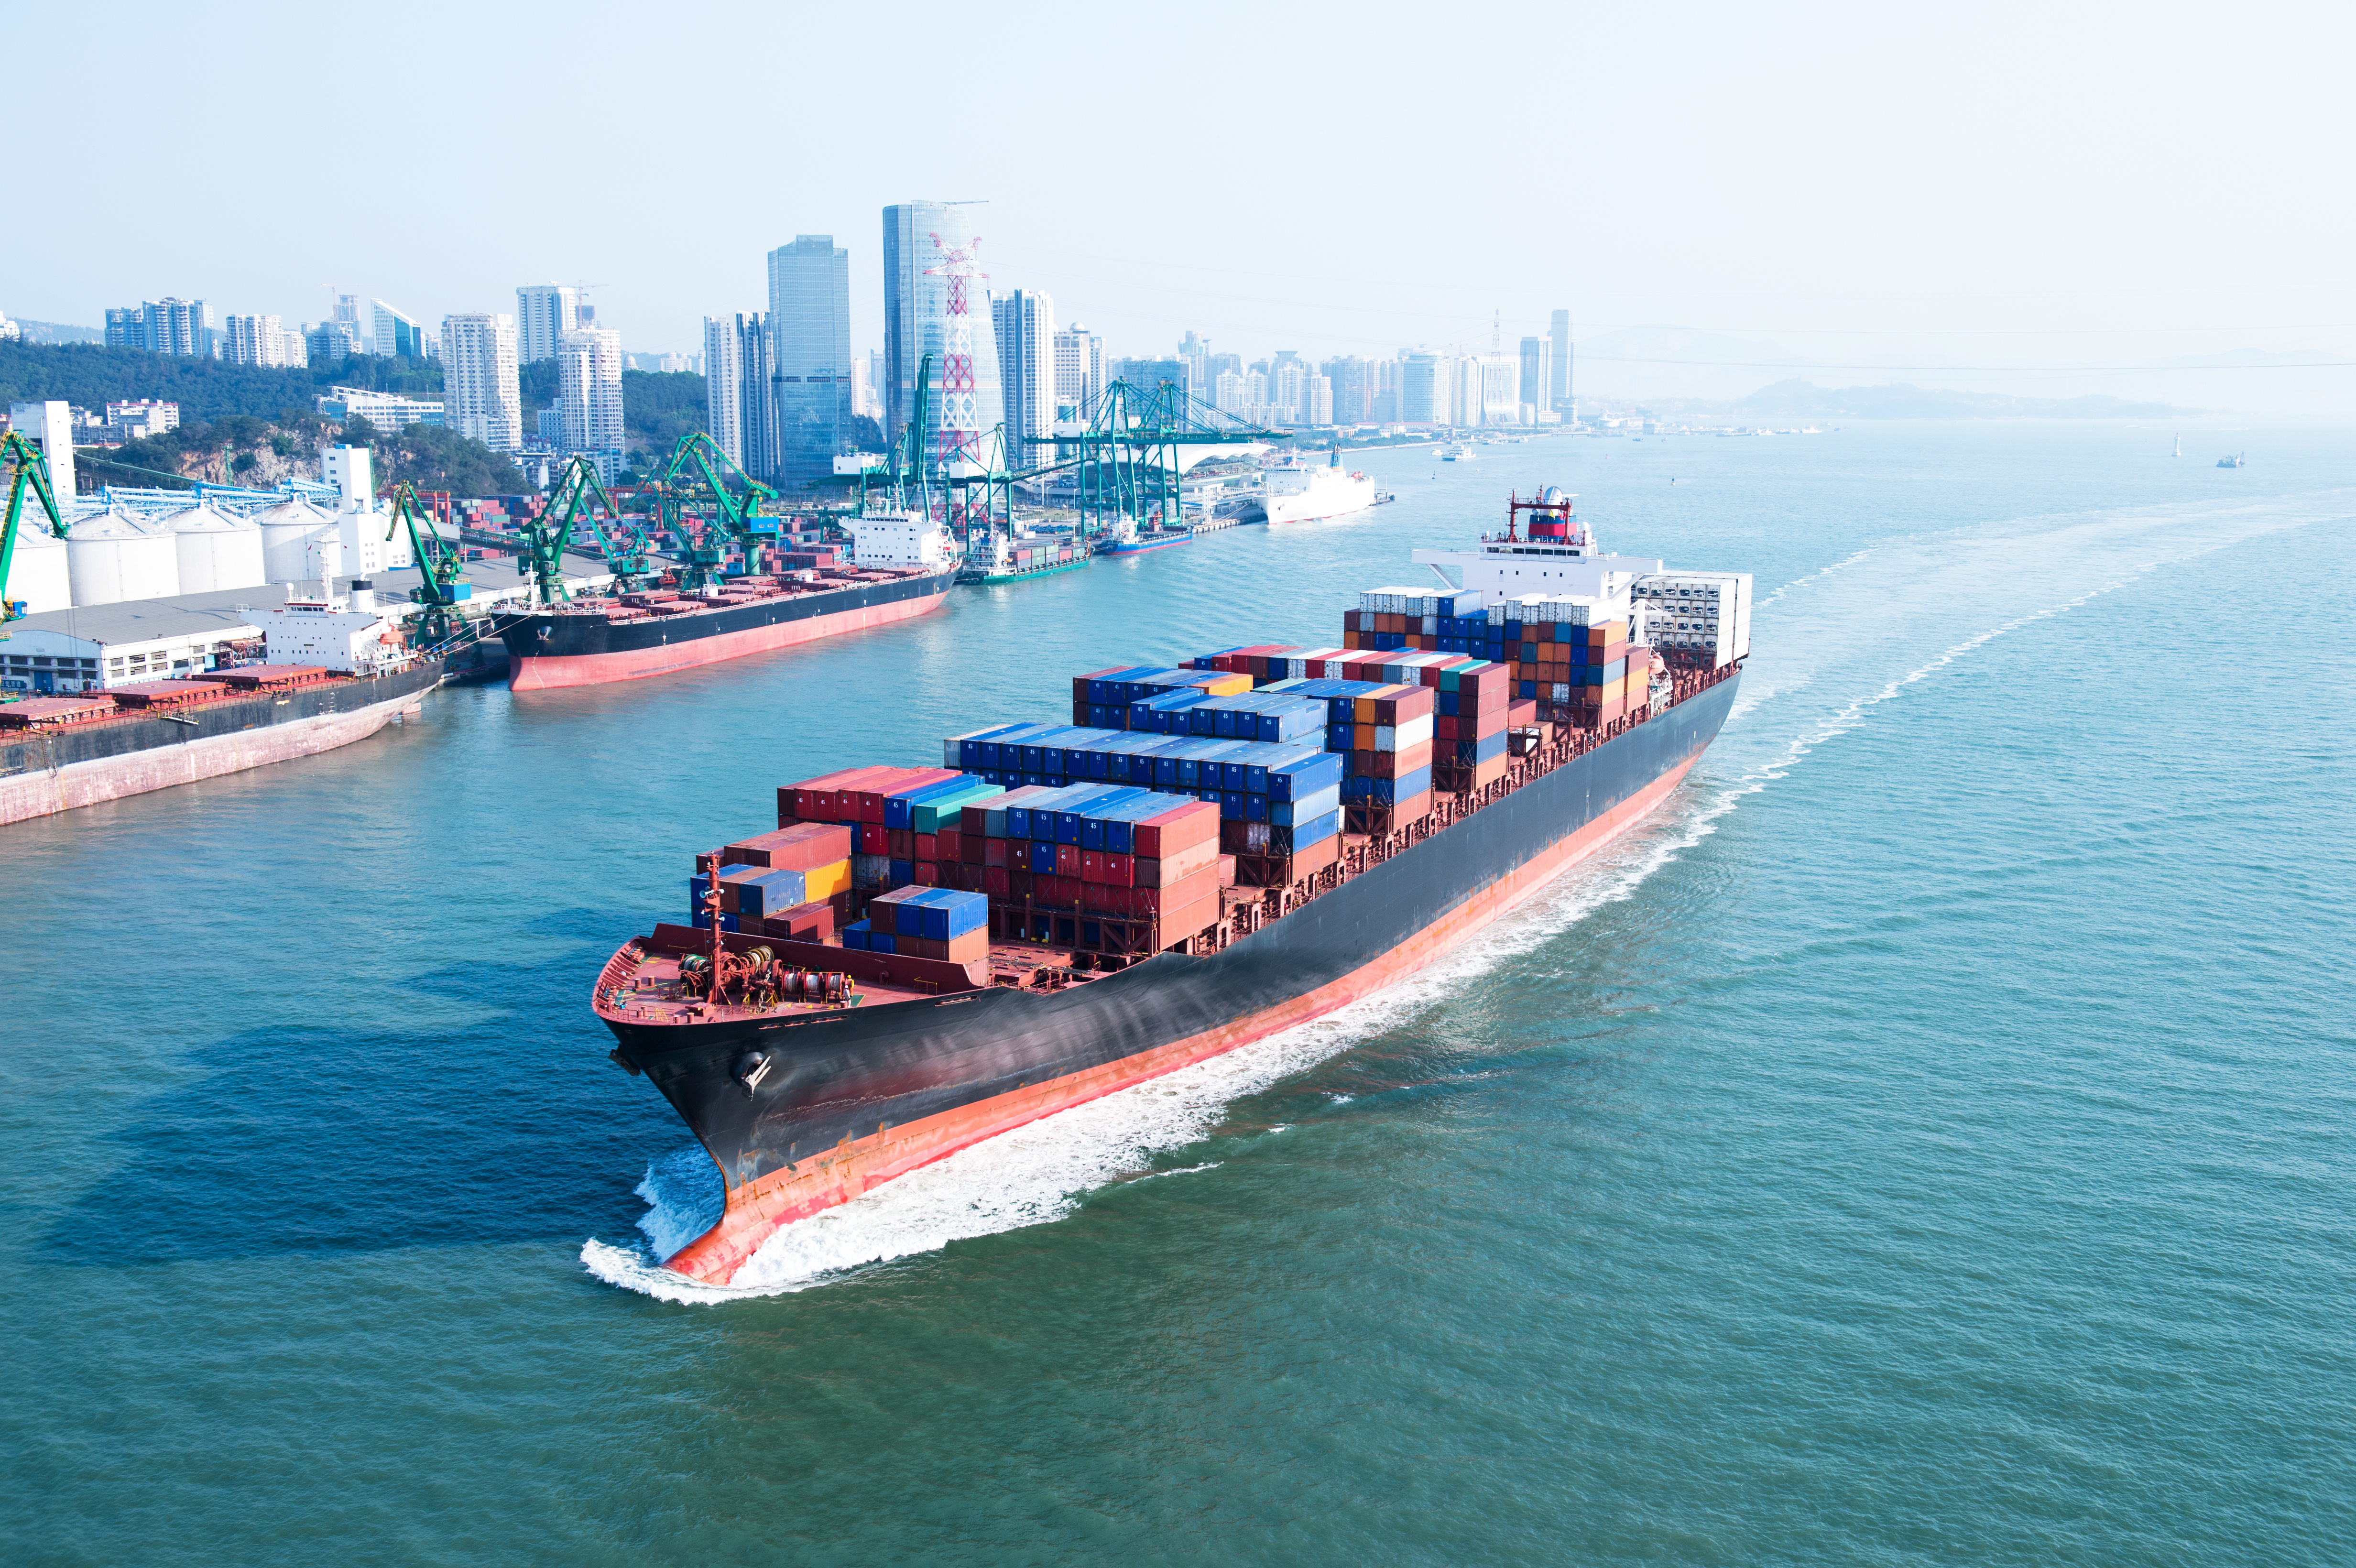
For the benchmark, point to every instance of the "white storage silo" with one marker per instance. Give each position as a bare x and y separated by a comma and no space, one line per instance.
113,555
38,574
291,534
215,550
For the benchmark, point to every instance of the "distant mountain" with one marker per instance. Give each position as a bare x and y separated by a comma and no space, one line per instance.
1801,399
2259,357
59,332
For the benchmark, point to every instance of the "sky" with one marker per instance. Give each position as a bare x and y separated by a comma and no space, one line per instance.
2036,186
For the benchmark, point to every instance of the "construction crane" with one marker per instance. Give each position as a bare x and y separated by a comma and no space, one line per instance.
439,561
696,466
31,468
547,537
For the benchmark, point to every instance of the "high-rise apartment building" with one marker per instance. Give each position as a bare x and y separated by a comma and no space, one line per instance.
810,330
480,394
254,340
723,385
1287,382
1080,371
1196,354
589,381
1024,323
544,313
398,336
177,326
936,301
1561,392
1500,395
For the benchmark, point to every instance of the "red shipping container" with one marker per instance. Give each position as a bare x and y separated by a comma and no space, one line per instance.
1150,873
874,793
1068,861
928,874
994,883
1181,828
804,847
1092,866
928,847
1018,852
1120,870
871,840
900,844
995,852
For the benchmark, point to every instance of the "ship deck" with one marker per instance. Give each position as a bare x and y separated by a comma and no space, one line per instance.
641,985
629,608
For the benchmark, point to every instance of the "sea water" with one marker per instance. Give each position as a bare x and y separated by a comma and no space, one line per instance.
1927,1138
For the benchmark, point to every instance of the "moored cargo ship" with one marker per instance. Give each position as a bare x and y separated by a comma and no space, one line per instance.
900,567
1203,857
60,753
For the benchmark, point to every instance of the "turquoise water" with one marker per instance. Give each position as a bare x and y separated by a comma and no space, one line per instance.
1927,1140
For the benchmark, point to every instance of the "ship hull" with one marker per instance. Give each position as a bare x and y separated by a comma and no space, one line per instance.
549,651
47,772
1141,546
864,1097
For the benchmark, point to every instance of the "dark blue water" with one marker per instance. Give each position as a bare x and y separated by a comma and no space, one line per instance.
1928,1140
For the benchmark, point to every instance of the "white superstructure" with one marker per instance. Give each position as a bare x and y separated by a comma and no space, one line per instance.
1304,494
346,633
1510,567
898,539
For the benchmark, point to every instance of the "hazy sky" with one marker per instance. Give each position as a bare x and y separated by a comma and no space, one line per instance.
1981,183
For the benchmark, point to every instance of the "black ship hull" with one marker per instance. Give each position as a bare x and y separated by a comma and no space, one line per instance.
556,649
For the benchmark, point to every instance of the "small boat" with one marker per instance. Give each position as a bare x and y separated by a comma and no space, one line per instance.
2239,460
1457,451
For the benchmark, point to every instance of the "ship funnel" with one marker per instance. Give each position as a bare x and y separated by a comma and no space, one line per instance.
364,597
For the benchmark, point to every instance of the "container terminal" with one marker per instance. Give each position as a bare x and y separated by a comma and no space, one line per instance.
915,958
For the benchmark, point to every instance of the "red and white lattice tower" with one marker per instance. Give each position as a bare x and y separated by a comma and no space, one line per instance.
959,436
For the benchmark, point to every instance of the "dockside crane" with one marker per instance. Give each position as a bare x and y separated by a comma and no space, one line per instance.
547,537
699,458
439,563
30,468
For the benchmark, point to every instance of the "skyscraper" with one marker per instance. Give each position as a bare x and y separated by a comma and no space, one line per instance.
589,381
544,313
809,329
1538,372
935,302
1426,391
1561,391
480,395
397,335
1025,324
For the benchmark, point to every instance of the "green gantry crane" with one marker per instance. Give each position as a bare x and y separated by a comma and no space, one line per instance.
439,563
547,537
31,468
697,456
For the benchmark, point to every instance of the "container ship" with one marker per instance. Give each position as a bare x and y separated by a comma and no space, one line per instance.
902,565
915,959
340,673
1013,558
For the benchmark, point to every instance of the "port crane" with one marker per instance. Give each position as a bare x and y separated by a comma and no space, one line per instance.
439,563
33,469
1129,452
697,465
547,537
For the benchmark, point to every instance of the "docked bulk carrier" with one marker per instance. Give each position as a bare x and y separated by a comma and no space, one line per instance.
339,671
917,959
901,566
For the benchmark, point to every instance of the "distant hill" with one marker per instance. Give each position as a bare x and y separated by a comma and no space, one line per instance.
90,377
59,332
1803,399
